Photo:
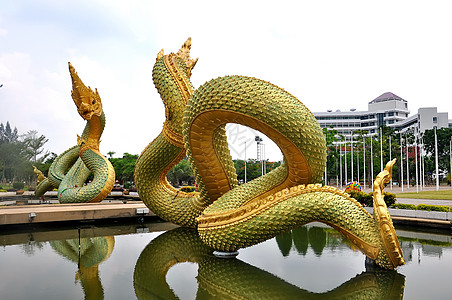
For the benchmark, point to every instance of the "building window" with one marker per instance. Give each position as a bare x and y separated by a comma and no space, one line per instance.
435,120
391,121
390,114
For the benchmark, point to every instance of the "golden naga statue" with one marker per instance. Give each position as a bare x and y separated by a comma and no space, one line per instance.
70,170
228,216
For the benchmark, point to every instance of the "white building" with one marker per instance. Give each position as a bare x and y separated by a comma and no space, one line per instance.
387,109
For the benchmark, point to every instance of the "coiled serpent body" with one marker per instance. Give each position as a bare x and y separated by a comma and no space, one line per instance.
228,216
70,170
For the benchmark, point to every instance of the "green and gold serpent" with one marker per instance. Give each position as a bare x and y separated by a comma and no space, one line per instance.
71,169
228,216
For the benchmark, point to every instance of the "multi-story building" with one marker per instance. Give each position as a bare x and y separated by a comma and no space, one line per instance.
387,109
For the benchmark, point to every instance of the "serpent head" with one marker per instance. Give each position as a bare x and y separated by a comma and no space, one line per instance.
87,101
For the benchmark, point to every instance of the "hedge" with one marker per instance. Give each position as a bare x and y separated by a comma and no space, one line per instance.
367,199
426,207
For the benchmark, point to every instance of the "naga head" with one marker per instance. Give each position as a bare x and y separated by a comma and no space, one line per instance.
87,101
184,54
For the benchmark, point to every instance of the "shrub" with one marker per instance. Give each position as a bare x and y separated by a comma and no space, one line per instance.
422,207
389,198
128,185
404,206
367,199
18,185
362,197
2,191
433,207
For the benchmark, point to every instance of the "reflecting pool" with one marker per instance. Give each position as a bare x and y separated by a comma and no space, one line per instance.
160,261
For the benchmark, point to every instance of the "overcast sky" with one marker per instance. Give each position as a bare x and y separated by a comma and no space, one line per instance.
329,54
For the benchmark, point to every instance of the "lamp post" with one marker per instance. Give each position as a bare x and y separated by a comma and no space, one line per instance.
390,156
345,137
401,161
340,163
371,160
415,155
436,160
364,159
357,161
326,164
407,164
381,149
351,146
450,152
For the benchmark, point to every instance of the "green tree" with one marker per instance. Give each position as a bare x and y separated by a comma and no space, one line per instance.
124,167
180,173
332,162
444,135
33,145
11,152
253,168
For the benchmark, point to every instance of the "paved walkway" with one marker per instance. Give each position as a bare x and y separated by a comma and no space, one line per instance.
117,209
424,201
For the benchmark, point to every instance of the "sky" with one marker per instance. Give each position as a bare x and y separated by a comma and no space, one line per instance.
329,54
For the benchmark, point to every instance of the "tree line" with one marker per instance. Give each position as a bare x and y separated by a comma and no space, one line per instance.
18,154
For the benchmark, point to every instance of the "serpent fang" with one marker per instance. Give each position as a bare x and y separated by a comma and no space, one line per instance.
229,216
71,169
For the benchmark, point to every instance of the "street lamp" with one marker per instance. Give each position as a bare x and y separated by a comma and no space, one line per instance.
407,163
340,162
450,152
381,149
371,160
436,160
401,161
346,171
364,160
390,155
415,154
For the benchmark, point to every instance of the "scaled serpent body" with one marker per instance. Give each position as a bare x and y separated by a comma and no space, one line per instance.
228,216
71,169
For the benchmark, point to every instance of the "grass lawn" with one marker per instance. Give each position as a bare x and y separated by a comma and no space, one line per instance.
437,195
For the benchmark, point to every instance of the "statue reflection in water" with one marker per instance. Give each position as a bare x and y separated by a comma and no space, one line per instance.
316,237
231,278
88,253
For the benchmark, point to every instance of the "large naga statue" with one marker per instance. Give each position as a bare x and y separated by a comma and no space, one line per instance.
71,169
229,216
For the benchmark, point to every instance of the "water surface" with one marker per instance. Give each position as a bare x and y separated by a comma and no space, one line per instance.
158,260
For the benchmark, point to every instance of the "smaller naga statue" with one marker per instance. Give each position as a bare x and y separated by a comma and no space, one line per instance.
229,216
71,169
